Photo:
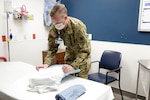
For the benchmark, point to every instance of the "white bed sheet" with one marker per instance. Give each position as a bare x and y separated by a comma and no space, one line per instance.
12,71
17,86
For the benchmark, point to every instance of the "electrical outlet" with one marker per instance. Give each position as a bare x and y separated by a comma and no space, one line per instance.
90,36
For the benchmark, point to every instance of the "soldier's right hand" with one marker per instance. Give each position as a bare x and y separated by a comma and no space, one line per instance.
41,66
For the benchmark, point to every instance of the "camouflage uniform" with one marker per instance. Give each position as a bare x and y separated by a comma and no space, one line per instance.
77,44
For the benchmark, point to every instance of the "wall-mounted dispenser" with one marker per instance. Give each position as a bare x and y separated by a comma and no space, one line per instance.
20,13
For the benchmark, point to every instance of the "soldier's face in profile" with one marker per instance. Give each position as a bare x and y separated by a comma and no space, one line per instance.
59,21
59,18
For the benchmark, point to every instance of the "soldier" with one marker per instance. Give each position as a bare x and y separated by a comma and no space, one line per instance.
73,32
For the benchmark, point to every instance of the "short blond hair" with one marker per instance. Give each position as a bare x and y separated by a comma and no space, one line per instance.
58,8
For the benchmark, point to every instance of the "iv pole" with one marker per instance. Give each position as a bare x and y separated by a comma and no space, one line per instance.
8,40
8,10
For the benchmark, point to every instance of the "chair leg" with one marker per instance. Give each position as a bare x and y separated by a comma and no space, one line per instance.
120,90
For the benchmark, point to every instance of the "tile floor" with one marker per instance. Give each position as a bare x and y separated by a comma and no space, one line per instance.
118,97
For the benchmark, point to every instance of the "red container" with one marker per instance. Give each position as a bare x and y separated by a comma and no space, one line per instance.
3,38
34,36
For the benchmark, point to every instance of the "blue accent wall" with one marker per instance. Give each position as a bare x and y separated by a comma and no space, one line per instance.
109,20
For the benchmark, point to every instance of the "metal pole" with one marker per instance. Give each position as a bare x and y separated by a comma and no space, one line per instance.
8,45
137,81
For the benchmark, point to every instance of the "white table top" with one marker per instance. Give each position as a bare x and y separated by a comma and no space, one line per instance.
145,63
14,82
12,71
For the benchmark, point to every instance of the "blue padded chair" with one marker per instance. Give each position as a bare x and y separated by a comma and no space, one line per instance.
110,60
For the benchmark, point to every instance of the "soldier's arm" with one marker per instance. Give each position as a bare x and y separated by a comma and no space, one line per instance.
52,49
85,47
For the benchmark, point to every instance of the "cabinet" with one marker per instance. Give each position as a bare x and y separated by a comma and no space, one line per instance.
58,58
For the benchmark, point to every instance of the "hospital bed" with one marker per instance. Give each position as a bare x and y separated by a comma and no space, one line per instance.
14,83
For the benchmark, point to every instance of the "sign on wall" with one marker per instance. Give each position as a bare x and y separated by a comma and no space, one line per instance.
144,16
48,5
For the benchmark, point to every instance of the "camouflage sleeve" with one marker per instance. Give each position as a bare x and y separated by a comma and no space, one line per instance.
52,48
85,48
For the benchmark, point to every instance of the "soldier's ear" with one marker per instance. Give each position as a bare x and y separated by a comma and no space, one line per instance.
65,17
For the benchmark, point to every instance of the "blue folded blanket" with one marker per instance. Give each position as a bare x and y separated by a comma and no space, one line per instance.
71,93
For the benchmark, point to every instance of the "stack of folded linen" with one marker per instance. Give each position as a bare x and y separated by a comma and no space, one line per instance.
48,79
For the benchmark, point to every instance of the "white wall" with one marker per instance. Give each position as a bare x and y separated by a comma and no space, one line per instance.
24,48
2,29
28,51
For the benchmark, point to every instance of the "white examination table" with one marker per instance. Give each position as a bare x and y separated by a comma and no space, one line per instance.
14,82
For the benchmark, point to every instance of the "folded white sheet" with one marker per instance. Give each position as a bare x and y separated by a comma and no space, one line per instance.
48,79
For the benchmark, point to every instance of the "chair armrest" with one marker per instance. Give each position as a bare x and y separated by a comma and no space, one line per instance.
114,70
94,61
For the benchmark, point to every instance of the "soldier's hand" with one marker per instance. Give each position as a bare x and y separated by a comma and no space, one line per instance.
66,68
41,66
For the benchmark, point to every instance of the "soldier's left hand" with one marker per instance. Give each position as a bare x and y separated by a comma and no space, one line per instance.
66,68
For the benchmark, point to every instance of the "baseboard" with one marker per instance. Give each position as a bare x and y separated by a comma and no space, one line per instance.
128,94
